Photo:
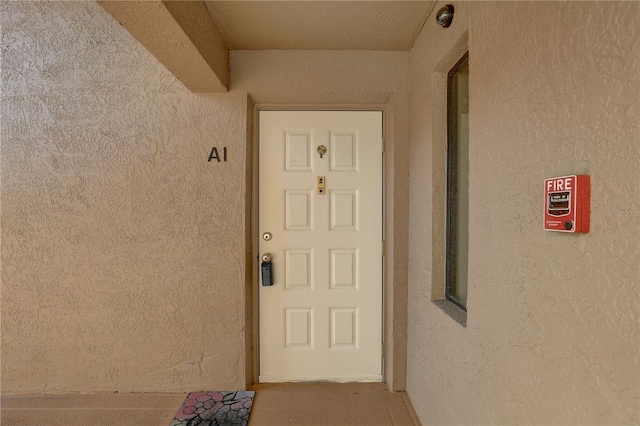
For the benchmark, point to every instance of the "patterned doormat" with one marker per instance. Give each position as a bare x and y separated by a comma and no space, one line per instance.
215,409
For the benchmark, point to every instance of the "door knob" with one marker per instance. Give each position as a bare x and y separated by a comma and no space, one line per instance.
266,257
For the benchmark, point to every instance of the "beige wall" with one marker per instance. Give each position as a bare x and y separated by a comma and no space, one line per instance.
122,247
552,332
125,253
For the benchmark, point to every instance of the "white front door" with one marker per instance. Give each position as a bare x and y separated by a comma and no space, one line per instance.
322,317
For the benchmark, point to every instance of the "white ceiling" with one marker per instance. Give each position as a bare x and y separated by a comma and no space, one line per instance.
319,25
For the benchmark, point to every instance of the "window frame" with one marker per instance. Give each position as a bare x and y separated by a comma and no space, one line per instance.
452,142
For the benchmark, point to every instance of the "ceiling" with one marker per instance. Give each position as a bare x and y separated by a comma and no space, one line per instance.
319,25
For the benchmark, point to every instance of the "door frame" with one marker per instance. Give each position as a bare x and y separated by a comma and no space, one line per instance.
389,315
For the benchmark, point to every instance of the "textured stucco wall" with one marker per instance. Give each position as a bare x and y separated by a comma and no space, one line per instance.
125,253
552,335
123,262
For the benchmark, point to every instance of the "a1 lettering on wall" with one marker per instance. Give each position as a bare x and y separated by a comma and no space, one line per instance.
215,155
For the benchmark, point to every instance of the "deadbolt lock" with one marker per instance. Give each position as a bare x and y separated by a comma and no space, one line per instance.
267,236
320,185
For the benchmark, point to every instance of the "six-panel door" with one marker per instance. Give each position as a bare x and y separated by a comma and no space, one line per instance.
322,318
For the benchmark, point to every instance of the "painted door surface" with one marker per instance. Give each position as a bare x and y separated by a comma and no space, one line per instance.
322,318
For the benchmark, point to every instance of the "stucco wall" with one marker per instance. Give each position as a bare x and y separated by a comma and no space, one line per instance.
122,247
125,253
552,332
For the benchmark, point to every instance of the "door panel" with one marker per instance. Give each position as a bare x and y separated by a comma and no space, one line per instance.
322,318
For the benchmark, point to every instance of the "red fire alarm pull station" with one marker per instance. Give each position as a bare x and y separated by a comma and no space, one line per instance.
567,203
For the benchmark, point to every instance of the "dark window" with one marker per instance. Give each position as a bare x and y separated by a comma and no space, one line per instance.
457,251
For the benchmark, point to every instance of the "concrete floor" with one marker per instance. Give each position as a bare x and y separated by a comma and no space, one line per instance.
312,404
